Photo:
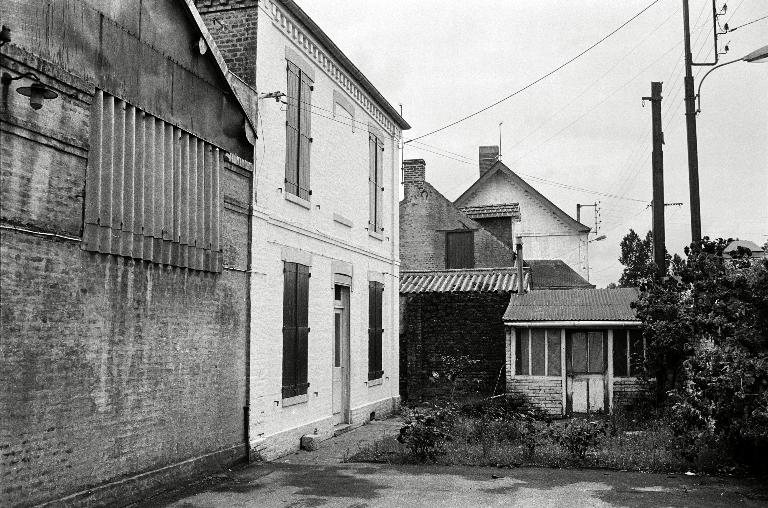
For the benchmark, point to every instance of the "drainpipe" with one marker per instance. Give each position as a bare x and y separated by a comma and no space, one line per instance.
519,262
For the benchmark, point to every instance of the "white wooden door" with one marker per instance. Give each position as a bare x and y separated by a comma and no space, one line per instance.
340,367
586,359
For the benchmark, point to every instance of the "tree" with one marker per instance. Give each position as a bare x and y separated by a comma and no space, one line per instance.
637,258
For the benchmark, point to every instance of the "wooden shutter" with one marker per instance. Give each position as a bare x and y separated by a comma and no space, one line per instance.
372,194
292,130
379,186
375,330
305,135
302,328
289,330
460,249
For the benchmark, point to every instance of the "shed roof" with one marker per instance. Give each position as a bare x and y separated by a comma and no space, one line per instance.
555,274
573,305
474,280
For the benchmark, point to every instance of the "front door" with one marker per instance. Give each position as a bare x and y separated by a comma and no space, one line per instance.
340,369
586,360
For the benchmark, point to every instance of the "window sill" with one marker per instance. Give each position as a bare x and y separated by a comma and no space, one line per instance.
340,219
297,200
376,382
299,399
377,236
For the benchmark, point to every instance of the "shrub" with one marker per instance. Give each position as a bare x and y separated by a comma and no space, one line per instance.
578,436
425,432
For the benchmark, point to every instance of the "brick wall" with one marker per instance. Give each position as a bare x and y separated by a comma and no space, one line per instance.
109,367
627,391
233,25
425,215
544,393
452,324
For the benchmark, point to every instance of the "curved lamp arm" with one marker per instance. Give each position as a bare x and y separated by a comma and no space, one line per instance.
698,90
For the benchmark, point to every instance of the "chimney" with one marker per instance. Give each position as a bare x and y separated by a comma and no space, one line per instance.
413,170
519,263
488,157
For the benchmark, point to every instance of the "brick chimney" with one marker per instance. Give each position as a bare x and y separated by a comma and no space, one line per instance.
488,157
413,170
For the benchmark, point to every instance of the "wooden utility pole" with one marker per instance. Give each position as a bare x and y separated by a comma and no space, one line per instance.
659,251
690,124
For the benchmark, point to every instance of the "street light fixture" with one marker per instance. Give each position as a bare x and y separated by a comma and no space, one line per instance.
758,56
596,239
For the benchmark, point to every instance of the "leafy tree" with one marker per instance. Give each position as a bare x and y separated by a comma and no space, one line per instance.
637,258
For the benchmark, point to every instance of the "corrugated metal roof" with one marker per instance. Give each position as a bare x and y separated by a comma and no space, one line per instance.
499,210
478,280
573,305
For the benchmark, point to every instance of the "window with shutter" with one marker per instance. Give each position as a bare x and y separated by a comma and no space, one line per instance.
459,249
295,329
152,189
375,330
375,183
298,132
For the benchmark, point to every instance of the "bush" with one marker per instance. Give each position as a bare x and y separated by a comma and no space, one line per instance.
425,432
578,436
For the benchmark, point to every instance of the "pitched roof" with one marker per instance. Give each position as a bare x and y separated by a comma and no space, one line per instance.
472,280
485,211
501,167
555,274
734,245
345,62
573,305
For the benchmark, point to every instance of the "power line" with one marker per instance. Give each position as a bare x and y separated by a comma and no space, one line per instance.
745,24
538,80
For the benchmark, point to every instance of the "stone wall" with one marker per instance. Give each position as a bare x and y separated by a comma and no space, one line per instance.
453,324
544,393
629,390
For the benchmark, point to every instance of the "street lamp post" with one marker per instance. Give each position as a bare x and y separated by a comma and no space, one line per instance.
757,56
596,239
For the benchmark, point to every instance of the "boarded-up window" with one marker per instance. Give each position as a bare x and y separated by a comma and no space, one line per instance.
459,249
636,352
375,330
554,367
152,189
295,329
375,183
620,354
298,132
537,351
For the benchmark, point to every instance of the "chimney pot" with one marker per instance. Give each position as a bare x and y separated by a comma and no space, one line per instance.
488,156
414,170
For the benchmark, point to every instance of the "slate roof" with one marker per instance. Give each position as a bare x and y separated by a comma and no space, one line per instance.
485,211
573,305
555,274
472,280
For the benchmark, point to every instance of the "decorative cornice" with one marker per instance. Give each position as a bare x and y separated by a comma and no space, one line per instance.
296,33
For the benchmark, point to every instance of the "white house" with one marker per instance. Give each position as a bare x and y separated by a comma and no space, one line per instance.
323,339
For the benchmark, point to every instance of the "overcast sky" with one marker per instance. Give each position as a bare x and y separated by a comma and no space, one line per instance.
583,126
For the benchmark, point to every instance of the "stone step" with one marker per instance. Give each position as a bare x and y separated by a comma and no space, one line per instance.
341,429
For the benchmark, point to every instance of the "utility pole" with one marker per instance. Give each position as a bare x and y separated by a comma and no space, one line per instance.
657,158
690,124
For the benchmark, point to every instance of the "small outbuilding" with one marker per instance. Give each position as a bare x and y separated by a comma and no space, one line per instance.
574,351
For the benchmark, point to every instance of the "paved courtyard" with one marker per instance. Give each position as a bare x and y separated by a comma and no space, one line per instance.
321,478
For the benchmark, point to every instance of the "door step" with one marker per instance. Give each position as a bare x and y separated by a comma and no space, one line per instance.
341,429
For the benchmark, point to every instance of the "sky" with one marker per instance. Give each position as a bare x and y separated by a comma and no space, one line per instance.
583,127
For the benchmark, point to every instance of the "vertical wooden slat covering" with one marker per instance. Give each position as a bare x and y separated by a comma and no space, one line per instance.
153,191
379,186
289,330
372,194
302,327
201,246
105,190
305,138
93,176
129,155
138,186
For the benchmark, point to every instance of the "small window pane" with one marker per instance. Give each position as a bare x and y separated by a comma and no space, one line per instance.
337,293
636,358
579,351
537,352
553,353
337,339
521,347
596,359
620,353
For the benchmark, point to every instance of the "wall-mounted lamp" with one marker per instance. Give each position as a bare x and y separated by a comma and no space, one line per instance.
37,93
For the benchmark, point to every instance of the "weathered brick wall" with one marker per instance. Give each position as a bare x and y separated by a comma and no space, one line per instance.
544,393
425,215
452,324
233,25
627,391
109,367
